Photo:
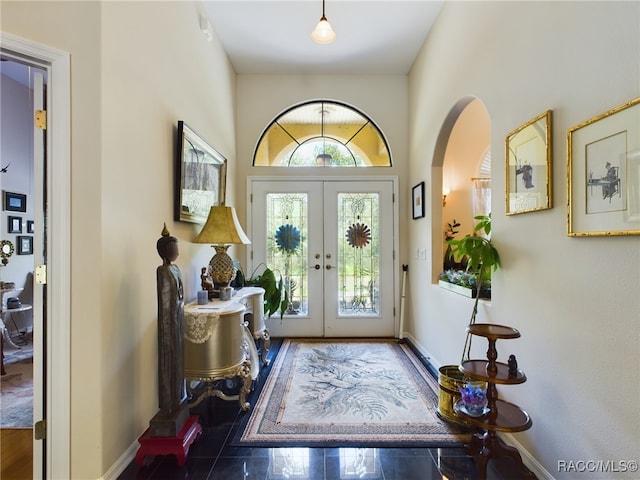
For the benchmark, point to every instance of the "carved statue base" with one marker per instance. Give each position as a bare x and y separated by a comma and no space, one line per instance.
177,445
169,424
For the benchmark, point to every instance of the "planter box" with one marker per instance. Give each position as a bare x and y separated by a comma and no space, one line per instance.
464,291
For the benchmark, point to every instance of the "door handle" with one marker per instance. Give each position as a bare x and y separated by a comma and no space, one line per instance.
329,267
316,266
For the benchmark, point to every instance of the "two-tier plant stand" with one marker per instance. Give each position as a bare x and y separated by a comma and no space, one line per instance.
502,416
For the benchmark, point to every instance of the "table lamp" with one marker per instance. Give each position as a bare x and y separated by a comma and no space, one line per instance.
221,230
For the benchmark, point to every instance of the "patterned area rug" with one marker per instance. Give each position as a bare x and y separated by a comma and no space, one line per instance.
342,392
16,388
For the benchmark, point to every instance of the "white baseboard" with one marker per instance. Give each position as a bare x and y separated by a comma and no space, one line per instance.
122,463
528,459
412,340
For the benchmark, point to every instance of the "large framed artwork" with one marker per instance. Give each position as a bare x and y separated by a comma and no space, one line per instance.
604,173
200,177
528,154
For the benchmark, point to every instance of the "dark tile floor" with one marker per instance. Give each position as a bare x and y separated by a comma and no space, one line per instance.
212,457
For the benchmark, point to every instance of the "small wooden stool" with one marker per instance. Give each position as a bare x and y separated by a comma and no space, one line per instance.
178,446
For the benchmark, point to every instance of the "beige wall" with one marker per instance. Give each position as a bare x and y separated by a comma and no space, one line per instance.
169,73
575,300
136,69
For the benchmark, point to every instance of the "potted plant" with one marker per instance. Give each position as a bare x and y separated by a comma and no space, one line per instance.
455,276
275,295
449,261
479,253
482,258
465,283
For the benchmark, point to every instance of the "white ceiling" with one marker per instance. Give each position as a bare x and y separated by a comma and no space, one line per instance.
273,37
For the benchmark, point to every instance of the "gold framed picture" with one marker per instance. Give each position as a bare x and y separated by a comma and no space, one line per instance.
528,161
604,174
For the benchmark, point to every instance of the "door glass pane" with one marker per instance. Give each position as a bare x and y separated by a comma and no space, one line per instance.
358,249
286,235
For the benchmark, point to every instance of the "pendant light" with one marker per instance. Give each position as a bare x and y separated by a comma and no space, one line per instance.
323,33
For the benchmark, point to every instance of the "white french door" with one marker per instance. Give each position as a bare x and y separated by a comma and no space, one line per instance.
333,244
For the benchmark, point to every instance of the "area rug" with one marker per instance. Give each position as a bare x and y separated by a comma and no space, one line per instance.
335,393
16,388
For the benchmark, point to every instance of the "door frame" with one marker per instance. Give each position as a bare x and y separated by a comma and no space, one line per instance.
355,178
55,452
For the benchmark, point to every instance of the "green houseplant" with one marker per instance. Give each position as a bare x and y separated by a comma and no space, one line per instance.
275,295
482,258
477,251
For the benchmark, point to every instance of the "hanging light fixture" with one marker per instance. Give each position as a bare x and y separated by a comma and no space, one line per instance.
323,32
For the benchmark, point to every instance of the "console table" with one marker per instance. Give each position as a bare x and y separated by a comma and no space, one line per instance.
253,300
219,346
502,416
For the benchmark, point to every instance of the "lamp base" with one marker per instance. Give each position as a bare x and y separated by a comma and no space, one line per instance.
221,268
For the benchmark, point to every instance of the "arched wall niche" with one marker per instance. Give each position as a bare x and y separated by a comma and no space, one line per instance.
463,143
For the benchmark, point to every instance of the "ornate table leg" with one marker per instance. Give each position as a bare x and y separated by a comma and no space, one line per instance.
266,343
245,373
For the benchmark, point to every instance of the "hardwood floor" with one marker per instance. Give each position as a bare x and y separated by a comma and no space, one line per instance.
16,453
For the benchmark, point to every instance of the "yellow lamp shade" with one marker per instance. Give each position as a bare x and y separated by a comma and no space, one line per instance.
222,227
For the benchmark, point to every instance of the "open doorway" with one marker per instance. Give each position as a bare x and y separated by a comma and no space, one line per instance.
50,242
22,90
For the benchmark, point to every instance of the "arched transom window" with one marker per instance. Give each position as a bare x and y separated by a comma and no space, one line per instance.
322,133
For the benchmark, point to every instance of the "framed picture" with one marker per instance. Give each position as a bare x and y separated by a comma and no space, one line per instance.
30,227
15,202
14,224
200,177
25,245
604,174
528,154
417,193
